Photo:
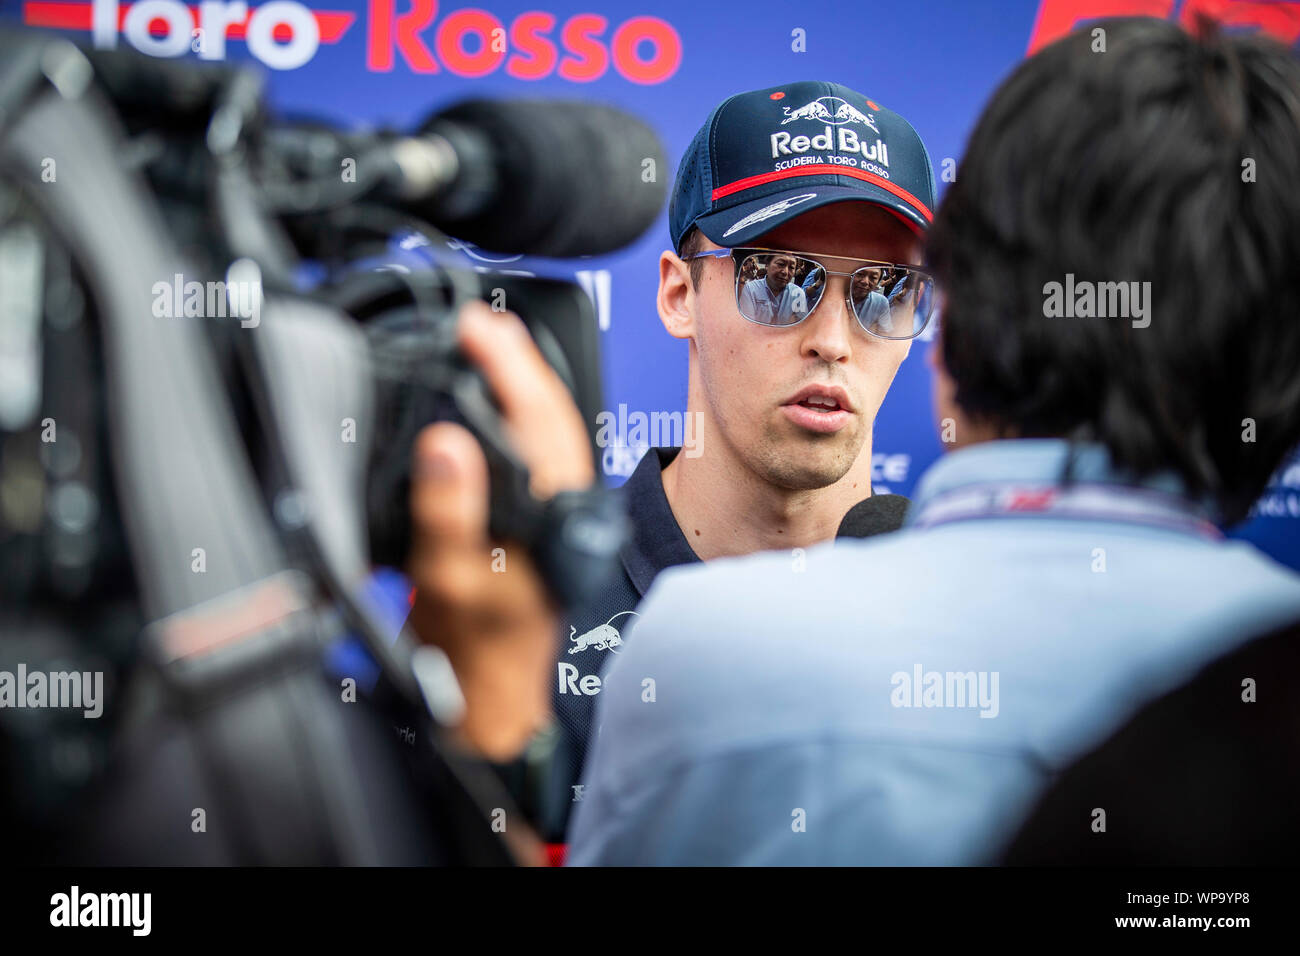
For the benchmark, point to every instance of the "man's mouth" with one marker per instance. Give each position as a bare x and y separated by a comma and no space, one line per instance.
819,409
821,398
820,403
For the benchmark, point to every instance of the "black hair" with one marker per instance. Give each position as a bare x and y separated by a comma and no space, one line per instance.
692,243
1197,778
1169,158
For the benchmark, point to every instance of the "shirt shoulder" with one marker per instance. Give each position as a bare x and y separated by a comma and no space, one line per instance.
713,642
748,651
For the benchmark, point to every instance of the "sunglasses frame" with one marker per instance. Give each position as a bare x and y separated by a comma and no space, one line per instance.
739,254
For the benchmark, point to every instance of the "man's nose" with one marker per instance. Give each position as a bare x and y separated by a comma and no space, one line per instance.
828,332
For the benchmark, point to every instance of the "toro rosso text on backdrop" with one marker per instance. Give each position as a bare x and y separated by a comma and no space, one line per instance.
471,42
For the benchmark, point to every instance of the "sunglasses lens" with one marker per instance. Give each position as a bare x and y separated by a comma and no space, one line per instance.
775,288
891,301
781,289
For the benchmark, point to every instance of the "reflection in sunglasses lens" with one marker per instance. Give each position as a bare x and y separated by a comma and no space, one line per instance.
778,289
782,289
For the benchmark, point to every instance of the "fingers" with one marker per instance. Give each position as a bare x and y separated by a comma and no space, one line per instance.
499,344
484,602
486,607
449,504
454,564
540,415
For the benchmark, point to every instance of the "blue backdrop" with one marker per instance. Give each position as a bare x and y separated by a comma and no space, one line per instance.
392,62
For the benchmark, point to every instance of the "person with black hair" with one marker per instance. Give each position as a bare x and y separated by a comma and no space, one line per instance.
906,699
1208,775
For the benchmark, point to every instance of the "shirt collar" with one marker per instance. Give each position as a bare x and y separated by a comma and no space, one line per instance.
1037,461
657,541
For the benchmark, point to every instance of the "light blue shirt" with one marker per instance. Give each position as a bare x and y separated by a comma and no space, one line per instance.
873,311
763,712
759,301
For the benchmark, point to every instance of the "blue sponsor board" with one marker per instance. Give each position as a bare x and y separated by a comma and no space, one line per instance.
393,62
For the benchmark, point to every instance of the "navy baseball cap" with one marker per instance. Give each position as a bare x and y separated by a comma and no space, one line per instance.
767,156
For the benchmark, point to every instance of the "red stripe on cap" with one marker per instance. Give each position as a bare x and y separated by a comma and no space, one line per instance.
909,223
823,169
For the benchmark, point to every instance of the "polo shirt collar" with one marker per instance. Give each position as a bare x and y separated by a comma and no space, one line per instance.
657,541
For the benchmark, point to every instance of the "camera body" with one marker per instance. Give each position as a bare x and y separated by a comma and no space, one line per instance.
198,529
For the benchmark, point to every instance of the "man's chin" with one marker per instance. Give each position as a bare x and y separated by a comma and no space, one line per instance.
810,464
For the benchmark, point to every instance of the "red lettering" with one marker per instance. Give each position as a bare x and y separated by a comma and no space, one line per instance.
1056,18
1282,20
592,60
526,35
1031,500
379,37
450,42
643,50
667,50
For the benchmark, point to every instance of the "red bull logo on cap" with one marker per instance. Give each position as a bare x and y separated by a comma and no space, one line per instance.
838,143
843,140
833,110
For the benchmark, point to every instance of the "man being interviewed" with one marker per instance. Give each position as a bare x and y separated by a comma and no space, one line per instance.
904,700
783,197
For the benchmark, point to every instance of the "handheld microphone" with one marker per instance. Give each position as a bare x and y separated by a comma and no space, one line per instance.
878,514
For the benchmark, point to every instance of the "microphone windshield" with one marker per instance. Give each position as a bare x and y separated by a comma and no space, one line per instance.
878,514
568,178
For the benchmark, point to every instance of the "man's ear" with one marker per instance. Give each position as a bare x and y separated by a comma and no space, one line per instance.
676,299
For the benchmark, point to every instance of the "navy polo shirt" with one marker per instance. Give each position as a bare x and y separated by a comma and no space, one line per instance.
594,634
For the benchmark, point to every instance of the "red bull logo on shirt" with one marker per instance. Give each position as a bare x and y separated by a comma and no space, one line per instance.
602,637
